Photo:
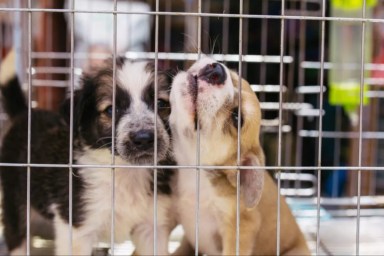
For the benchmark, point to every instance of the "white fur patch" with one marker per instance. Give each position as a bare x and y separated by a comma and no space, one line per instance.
20,251
8,67
133,77
133,200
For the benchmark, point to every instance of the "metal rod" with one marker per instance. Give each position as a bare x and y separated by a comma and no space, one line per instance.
155,132
197,14
72,87
281,79
198,162
360,130
28,242
207,167
168,56
113,170
320,140
238,161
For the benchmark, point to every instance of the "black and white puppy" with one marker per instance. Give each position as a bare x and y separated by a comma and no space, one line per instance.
92,186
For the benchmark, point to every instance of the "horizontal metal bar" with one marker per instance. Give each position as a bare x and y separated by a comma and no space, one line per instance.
275,129
342,135
338,201
207,167
165,56
55,70
309,89
375,94
50,83
309,112
267,88
196,14
350,66
286,106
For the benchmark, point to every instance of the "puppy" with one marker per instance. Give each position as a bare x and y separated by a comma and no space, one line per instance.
92,145
208,94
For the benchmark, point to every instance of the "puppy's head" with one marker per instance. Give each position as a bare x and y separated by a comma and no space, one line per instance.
207,95
134,111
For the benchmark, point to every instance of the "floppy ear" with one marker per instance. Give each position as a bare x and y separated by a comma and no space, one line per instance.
252,180
81,103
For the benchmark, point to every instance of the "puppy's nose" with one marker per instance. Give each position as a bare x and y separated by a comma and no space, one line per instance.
213,73
142,139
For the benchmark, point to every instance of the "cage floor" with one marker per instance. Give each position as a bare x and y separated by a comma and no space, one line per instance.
337,237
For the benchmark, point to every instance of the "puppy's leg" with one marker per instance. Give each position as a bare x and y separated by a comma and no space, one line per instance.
14,223
142,238
81,242
249,226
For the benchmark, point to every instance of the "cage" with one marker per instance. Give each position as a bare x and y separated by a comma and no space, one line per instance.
324,152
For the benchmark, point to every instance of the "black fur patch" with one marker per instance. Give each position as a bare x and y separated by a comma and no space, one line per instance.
164,178
13,98
49,145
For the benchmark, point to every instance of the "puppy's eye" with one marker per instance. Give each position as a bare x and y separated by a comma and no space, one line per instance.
109,110
161,104
235,118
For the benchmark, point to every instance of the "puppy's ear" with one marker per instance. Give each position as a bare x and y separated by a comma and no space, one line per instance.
252,180
82,101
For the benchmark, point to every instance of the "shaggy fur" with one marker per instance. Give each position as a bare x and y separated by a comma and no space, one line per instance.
92,145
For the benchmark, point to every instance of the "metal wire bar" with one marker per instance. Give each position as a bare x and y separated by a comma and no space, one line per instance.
360,130
198,162
238,161
197,14
155,133
225,36
168,56
72,86
113,170
342,135
264,46
207,167
29,131
321,95
281,77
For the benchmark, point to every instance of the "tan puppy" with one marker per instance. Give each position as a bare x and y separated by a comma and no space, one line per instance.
208,93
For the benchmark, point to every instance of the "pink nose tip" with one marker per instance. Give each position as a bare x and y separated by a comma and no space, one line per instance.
213,73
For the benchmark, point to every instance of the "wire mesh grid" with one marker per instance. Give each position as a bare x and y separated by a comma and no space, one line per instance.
326,158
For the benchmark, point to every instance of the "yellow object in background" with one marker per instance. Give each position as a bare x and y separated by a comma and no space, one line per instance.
352,4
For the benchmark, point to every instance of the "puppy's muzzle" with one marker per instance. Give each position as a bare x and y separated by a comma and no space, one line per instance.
143,139
213,73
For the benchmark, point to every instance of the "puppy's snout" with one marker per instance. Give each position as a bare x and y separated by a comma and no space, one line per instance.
142,139
213,73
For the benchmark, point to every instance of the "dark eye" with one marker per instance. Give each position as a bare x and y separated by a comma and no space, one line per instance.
161,104
109,110
235,118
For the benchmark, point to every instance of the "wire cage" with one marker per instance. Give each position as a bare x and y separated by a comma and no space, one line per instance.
324,151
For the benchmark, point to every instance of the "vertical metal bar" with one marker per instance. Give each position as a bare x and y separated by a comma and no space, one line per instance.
29,129
225,27
281,77
72,86
263,46
113,170
245,10
360,128
320,124
197,217
206,39
239,130
155,132
167,29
